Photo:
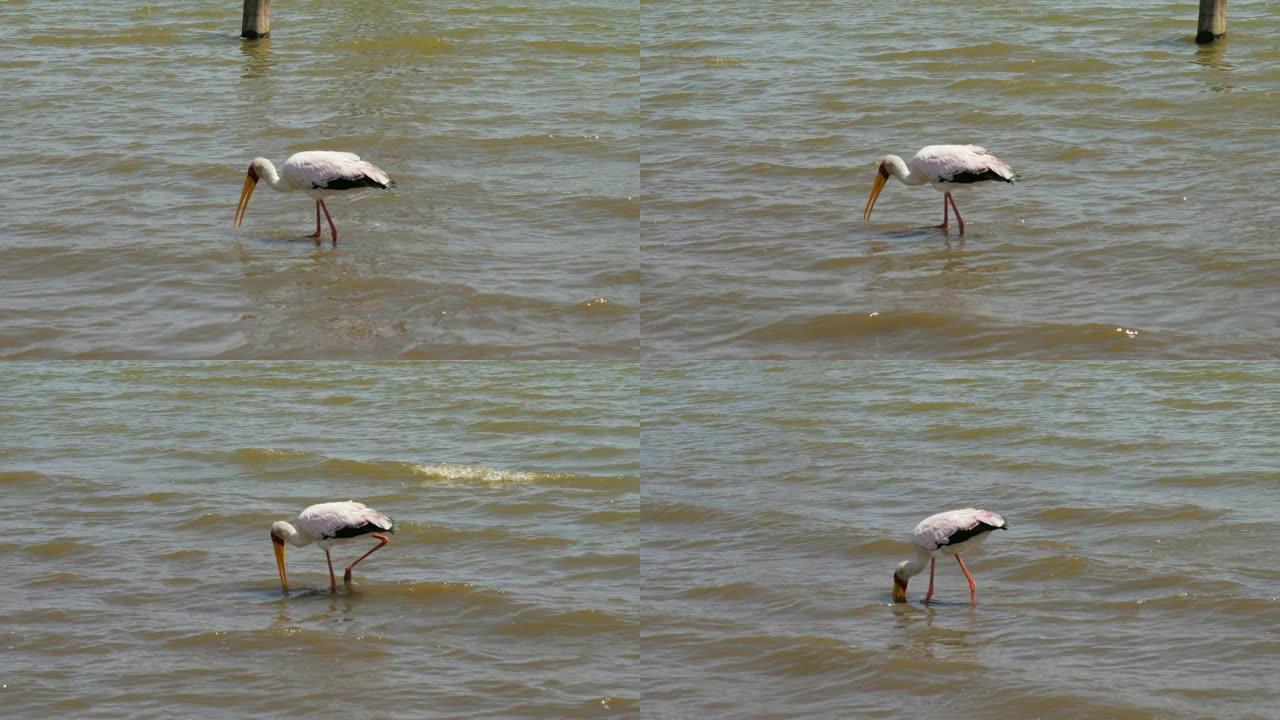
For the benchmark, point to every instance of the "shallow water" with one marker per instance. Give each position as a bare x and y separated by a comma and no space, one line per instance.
141,583
1134,581
511,130
1142,226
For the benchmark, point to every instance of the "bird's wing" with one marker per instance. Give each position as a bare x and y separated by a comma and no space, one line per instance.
954,527
342,520
934,531
325,169
960,164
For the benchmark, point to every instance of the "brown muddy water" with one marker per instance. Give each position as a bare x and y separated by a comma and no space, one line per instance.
1137,579
1144,225
511,130
140,580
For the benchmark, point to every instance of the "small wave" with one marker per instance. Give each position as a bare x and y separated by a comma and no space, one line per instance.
250,455
1100,516
572,47
319,642
1187,404
479,474
1053,567
1219,480
420,45
992,49
799,655
610,517
496,477
573,622
880,546
730,592
60,548
536,140
681,514
604,307
22,477
64,580
969,432
922,407
955,336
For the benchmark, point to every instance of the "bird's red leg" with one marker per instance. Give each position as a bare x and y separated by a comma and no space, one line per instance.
382,540
316,235
958,218
930,593
333,581
973,586
333,229
944,212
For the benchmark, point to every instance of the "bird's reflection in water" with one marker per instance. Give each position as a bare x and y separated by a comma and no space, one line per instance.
301,606
928,631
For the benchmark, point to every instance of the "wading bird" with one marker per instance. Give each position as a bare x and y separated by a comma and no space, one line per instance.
947,168
318,173
326,525
950,533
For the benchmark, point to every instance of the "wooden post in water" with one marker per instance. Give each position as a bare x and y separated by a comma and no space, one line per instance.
256,22
1213,21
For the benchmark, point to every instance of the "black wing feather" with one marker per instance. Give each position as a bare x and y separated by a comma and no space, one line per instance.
349,183
973,177
960,536
357,530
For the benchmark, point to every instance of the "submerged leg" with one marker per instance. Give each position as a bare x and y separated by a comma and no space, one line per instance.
930,593
333,230
959,219
333,581
382,540
944,212
973,586
316,234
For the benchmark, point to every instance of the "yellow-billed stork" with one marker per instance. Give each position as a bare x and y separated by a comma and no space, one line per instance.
950,533
329,524
318,173
947,168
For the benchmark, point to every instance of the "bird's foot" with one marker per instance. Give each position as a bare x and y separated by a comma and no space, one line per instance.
942,226
346,577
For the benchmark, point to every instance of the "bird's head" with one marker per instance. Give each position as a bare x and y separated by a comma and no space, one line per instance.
900,582
279,531
882,176
256,171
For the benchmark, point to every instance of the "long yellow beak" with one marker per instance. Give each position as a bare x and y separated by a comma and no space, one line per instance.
284,583
876,187
899,590
249,185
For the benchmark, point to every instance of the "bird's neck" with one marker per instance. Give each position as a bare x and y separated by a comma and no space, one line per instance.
291,534
915,565
267,174
898,168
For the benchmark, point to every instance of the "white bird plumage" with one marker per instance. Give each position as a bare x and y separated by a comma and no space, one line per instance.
327,525
320,174
945,168
946,533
